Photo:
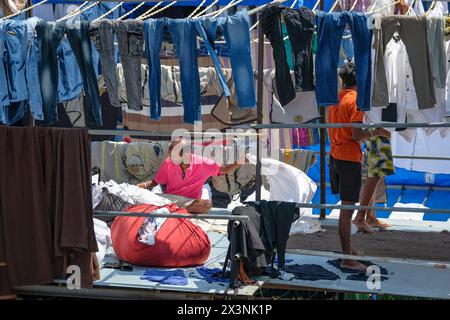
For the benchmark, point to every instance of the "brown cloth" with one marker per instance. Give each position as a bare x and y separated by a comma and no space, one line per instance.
45,206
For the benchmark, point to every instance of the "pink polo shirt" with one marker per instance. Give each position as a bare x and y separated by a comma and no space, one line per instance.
199,170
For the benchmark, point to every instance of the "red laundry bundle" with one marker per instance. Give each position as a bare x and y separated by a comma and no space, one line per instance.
178,243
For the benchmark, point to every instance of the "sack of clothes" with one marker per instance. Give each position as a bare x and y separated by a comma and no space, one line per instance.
171,243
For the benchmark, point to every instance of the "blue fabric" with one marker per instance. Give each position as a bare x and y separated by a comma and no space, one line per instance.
4,96
214,57
184,34
172,277
347,48
70,82
16,59
78,36
49,36
237,37
94,13
32,71
330,28
212,275
14,112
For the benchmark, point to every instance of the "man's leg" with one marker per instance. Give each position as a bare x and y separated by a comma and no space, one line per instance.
199,206
367,193
349,190
345,231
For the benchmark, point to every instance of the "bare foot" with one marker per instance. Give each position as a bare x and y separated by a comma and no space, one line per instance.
353,265
377,223
363,226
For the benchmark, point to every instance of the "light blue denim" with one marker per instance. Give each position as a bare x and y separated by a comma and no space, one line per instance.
235,29
330,28
346,48
183,33
70,82
32,71
16,59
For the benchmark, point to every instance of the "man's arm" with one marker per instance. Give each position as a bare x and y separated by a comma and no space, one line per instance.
147,184
364,134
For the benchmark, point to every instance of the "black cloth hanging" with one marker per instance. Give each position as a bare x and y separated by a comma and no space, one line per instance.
45,206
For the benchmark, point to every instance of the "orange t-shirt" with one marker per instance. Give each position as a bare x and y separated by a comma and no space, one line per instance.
343,147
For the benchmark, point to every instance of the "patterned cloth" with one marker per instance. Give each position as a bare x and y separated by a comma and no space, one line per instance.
378,154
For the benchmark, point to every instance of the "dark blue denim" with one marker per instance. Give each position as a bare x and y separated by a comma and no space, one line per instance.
15,112
80,42
70,81
330,28
49,36
235,29
4,95
16,59
183,33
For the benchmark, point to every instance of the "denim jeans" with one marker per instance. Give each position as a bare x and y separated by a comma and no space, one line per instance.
300,28
49,36
14,112
16,59
130,34
4,95
330,28
32,71
70,81
102,35
78,36
235,29
183,33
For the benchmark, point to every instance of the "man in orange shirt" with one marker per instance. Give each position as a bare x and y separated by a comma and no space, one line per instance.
346,158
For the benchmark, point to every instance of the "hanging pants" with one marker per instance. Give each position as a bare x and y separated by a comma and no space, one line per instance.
300,28
330,28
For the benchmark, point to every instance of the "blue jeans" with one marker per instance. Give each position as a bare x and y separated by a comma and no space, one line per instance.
330,28
49,36
32,72
4,96
78,36
184,34
16,60
70,81
237,36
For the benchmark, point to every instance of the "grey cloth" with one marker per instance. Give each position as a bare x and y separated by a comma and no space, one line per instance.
412,31
436,40
102,34
130,34
75,111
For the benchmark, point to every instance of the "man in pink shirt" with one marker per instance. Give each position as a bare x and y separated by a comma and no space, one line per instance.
184,174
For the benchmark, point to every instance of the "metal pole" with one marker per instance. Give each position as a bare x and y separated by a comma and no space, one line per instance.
393,209
323,159
259,104
351,125
168,215
323,156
